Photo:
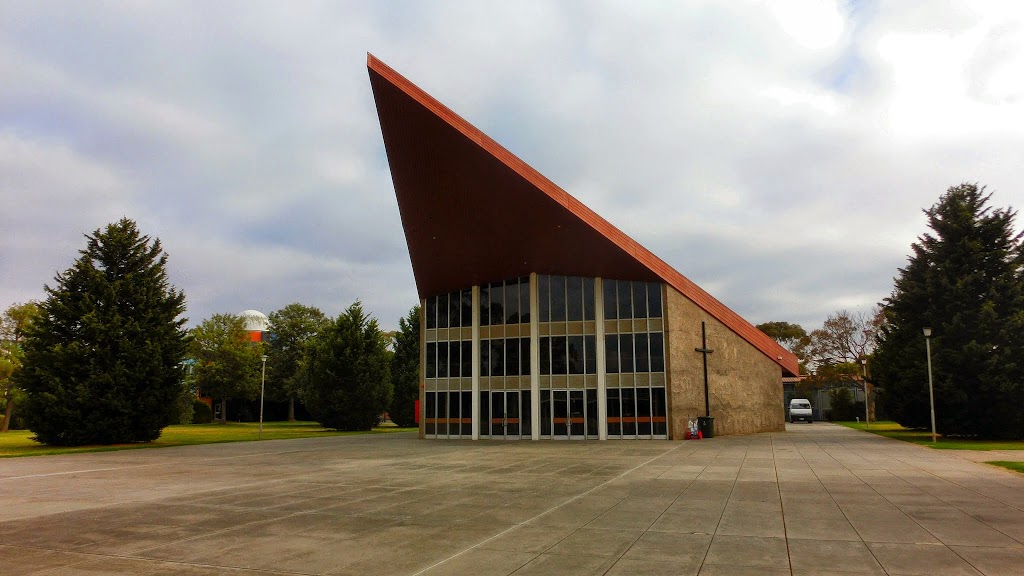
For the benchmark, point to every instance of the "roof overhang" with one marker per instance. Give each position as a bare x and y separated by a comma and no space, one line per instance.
474,213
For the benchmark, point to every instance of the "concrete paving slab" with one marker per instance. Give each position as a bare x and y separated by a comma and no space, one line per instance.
816,499
832,556
921,560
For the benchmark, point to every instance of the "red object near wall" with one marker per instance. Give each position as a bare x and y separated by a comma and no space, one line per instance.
417,415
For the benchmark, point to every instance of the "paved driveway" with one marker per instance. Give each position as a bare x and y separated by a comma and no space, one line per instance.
817,499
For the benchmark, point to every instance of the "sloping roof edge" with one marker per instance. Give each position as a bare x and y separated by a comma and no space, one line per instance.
785,359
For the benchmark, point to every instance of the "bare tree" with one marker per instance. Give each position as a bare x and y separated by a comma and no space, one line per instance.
845,337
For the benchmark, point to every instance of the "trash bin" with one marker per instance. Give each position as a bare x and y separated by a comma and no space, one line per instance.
706,425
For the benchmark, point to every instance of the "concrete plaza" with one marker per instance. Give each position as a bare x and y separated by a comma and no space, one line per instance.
816,499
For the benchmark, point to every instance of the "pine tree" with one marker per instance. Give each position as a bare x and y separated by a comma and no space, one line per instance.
293,328
102,358
405,369
965,280
349,385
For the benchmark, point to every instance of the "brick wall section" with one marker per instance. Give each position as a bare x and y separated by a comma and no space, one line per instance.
745,385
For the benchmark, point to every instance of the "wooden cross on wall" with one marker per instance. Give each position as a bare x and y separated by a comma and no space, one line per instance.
705,351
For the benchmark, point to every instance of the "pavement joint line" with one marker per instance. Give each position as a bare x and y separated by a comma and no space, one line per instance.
841,511
352,438
925,471
134,555
548,511
724,508
132,467
782,503
92,556
938,497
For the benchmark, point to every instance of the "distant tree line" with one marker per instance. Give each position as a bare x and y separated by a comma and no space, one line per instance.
105,358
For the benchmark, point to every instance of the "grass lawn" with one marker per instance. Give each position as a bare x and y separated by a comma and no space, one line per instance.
18,442
1015,466
924,437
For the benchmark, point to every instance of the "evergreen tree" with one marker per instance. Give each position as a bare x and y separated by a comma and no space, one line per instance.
964,280
228,365
349,384
292,330
101,362
792,337
405,369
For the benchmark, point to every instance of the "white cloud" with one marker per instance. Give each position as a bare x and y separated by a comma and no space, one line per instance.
813,24
51,196
778,153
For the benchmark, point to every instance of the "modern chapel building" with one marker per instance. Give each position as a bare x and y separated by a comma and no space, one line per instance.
541,320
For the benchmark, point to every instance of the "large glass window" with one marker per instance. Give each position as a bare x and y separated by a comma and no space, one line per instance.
512,302
442,413
654,300
454,413
442,311
485,358
467,308
512,357
524,356
430,414
544,297
588,299
454,309
559,362
626,353
506,357
574,298
625,300
576,355
497,313
455,360
590,354
545,355
614,413
639,299
485,305
610,300
658,412
643,359
643,411
431,313
566,354
442,359
611,354
467,358
431,360
497,357
628,411
657,343
467,413
558,298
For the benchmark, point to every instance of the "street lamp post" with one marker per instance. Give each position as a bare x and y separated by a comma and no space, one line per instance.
864,373
263,383
931,393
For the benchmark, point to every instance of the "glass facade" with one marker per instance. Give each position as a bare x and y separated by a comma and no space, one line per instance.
568,351
505,302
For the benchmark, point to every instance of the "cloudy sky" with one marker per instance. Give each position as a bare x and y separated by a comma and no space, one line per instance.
777,153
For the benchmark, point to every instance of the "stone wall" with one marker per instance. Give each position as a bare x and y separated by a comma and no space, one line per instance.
745,385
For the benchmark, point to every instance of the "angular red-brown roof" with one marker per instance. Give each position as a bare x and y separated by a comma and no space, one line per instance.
474,213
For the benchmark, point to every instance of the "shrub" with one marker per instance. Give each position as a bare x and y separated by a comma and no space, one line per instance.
202,413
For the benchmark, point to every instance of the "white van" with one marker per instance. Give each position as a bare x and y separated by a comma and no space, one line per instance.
800,409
